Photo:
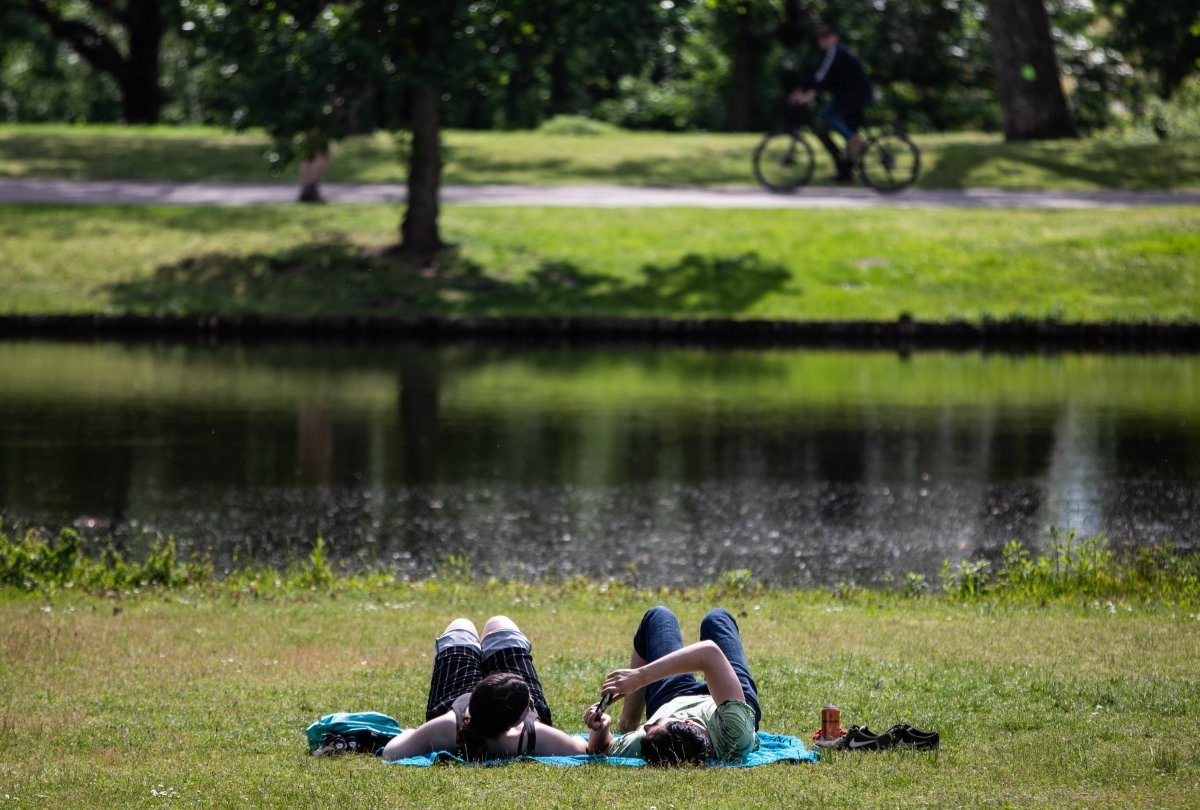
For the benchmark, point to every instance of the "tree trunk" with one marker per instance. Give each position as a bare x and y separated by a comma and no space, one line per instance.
419,230
1027,75
140,98
744,54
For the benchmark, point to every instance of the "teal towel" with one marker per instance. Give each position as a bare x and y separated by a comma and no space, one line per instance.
771,747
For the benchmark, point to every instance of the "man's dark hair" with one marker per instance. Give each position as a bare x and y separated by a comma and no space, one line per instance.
674,743
824,29
497,703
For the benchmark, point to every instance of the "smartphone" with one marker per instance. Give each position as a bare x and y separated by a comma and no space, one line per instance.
605,699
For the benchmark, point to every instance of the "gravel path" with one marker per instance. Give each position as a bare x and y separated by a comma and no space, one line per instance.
123,192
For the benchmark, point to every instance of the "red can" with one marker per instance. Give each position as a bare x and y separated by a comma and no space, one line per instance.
831,723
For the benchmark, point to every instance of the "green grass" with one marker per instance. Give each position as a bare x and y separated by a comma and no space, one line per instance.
631,158
181,698
1090,266
1064,686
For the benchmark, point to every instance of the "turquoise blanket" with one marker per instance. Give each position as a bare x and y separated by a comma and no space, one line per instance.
771,747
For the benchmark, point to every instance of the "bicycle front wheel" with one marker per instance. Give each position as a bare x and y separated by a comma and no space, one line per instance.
890,162
783,161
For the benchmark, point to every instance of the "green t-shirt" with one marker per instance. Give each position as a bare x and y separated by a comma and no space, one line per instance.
730,726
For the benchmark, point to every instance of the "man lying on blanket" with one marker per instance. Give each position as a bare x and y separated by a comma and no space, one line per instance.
690,720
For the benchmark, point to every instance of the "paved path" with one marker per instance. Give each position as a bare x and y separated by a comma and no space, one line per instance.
121,192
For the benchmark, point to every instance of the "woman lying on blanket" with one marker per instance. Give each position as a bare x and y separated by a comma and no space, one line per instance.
486,702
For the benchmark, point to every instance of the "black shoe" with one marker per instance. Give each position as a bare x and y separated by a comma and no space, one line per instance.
906,735
859,739
311,193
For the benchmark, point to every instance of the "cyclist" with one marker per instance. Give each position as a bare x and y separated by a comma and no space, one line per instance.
841,73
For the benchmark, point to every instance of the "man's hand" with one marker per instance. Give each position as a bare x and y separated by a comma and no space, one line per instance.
599,737
798,98
596,721
621,682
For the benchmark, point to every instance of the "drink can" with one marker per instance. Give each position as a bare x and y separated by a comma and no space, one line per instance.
831,722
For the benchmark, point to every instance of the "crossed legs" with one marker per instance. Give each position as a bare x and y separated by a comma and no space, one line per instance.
659,634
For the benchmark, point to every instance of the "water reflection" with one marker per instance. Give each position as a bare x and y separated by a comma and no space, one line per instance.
661,466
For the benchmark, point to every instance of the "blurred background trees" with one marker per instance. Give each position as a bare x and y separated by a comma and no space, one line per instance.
669,64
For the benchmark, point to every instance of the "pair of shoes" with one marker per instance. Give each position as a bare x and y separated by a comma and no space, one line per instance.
905,735
861,738
356,742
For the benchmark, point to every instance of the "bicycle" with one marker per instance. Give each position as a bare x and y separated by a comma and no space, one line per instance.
889,160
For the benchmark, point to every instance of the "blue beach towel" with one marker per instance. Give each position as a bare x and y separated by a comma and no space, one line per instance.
771,747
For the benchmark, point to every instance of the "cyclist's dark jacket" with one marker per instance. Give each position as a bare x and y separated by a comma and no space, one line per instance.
843,76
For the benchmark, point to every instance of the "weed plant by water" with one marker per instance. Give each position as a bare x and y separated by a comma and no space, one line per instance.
1072,568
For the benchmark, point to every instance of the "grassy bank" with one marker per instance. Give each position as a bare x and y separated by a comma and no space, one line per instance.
1089,266
643,158
179,693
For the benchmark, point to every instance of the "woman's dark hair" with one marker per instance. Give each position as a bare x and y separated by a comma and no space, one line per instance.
674,743
497,703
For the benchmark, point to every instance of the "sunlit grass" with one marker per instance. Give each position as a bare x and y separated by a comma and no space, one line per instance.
957,160
933,265
115,702
198,691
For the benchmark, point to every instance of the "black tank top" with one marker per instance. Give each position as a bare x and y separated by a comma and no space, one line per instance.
525,743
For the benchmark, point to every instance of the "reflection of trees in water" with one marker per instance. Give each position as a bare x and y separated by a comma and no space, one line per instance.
842,489
417,400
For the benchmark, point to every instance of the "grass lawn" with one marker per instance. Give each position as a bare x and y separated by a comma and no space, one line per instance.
182,698
956,160
1124,265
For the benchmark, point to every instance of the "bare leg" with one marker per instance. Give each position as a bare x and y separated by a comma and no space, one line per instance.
499,623
311,171
461,624
633,706
854,146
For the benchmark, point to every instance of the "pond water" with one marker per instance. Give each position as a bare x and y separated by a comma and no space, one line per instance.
659,466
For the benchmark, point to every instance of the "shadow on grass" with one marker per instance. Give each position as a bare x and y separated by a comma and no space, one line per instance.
1098,164
334,278
100,156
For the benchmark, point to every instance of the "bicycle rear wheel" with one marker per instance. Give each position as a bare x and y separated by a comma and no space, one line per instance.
783,161
890,162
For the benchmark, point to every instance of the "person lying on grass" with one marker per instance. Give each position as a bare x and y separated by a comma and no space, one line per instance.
690,720
486,701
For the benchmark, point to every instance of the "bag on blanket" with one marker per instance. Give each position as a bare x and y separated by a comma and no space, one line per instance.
351,732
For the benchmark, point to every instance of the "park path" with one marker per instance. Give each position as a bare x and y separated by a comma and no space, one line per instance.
129,192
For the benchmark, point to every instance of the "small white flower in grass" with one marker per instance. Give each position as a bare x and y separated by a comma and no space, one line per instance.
47,609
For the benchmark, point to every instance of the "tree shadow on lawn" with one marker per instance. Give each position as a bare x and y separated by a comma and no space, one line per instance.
1103,165
100,156
336,278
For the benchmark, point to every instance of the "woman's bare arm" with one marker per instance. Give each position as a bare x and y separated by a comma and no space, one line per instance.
438,734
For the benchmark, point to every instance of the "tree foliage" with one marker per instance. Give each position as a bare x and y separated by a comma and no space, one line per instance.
122,40
1161,36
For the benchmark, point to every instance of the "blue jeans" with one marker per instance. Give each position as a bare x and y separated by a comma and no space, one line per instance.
659,634
834,120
